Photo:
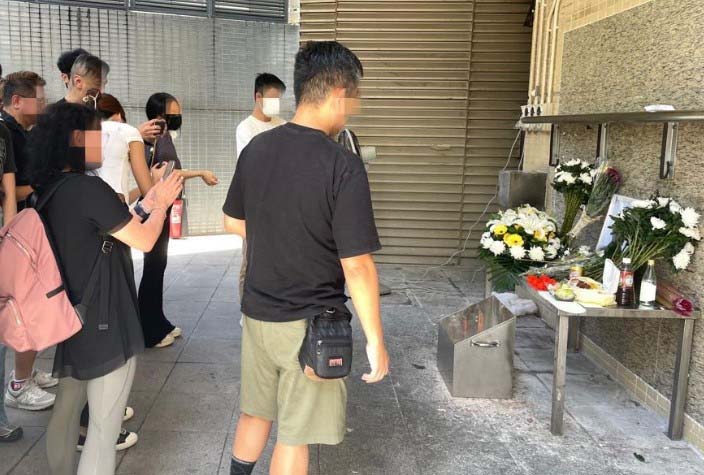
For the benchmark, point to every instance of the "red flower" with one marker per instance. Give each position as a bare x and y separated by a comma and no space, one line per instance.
683,307
540,282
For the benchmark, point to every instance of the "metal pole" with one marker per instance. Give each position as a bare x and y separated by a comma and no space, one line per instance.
573,339
559,372
675,427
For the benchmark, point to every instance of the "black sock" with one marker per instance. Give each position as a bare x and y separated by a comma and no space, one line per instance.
238,467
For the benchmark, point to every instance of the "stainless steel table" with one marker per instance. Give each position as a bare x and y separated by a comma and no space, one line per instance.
567,331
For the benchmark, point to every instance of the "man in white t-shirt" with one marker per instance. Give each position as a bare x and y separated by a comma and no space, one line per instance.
268,90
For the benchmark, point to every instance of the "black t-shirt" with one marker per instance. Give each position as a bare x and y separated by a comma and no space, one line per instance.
7,154
81,212
19,147
163,150
307,204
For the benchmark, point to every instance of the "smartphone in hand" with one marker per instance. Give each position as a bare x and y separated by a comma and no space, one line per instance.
161,123
170,165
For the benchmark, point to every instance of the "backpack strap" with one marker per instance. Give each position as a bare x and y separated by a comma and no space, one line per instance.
99,273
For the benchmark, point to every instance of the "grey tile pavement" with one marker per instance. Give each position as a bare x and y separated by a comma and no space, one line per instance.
186,396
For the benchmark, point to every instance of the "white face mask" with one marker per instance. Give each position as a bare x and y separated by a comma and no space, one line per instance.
174,134
271,106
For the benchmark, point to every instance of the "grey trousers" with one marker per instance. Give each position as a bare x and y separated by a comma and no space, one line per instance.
243,269
107,398
3,415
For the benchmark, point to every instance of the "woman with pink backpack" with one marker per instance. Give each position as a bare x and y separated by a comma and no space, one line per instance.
91,229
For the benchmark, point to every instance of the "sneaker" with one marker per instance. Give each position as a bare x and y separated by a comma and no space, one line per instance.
30,397
167,341
10,434
125,440
44,379
176,333
129,414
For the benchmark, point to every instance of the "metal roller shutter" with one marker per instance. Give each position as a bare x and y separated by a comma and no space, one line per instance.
265,9
443,84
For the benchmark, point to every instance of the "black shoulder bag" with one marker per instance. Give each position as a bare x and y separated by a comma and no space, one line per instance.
327,347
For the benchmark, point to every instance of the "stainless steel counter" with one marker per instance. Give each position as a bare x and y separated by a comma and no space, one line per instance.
567,336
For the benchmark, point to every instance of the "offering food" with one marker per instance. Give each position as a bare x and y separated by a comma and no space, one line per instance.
589,291
585,283
564,293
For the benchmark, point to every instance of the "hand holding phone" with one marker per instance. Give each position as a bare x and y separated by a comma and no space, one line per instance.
170,165
161,123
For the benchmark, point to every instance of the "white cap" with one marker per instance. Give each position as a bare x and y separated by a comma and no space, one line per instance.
626,260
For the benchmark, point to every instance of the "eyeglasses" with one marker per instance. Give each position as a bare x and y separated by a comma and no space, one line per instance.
92,96
42,101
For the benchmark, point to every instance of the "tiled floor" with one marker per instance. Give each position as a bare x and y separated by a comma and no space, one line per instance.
186,396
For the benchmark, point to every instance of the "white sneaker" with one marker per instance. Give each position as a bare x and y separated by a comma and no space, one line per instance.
30,398
44,379
176,332
129,414
167,341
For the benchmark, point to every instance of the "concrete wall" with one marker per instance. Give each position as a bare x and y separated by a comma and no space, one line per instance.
209,64
648,54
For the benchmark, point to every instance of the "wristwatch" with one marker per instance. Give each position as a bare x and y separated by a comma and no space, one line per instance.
141,212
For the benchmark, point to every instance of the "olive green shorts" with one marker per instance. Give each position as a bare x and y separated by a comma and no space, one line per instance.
274,387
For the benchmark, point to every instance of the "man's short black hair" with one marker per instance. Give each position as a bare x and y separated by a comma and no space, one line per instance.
267,80
88,65
21,83
67,58
322,66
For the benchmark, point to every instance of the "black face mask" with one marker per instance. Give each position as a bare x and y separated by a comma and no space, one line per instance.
173,121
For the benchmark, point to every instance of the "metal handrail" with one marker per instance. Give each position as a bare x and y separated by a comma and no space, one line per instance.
615,117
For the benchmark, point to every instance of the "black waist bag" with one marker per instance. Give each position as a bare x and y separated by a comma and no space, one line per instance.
327,347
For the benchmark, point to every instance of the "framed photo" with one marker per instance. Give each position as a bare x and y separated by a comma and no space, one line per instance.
618,204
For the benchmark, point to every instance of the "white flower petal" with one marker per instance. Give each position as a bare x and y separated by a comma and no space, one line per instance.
681,260
517,252
497,247
692,233
536,254
690,217
657,223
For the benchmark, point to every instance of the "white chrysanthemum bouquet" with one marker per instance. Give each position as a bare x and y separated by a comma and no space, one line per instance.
514,240
655,229
573,179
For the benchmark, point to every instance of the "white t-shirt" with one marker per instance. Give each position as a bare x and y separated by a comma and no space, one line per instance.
116,162
251,127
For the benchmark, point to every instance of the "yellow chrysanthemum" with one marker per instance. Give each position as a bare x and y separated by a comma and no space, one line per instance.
512,240
500,229
540,235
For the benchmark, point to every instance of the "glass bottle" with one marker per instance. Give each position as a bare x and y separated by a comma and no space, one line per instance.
625,295
648,287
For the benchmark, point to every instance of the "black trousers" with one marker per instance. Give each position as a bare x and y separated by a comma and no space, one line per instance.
155,325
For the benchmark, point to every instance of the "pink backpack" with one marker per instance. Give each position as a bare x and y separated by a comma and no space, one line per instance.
35,310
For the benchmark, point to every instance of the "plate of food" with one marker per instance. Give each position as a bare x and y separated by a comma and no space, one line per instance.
589,291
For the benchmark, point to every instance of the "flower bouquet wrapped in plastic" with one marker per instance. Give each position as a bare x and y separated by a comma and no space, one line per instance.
573,179
607,181
655,229
516,239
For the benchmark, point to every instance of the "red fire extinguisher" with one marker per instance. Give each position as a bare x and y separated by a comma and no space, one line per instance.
176,219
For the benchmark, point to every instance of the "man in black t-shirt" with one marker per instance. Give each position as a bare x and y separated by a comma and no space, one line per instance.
23,102
7,176
303,203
